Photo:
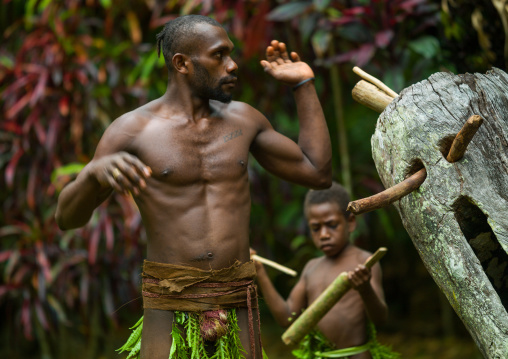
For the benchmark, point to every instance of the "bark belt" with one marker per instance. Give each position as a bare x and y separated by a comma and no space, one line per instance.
189,289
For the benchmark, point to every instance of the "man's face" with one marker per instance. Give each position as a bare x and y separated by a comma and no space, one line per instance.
329,228
206,86
214,71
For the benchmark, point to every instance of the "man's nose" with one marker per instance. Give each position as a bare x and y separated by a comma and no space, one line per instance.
231,66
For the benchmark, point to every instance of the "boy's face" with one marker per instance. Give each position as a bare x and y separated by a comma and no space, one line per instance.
329,228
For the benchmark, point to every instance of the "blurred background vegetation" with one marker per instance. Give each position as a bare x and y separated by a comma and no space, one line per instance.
70,67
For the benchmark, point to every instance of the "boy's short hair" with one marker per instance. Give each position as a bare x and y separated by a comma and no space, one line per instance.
335,194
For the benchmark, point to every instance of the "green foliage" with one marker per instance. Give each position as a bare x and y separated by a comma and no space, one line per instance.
316,345
313,342
133,344
228,346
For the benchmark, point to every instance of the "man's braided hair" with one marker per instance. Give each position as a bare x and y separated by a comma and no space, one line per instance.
177,36
335,194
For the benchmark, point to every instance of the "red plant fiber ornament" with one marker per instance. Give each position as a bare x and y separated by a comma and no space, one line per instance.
214,324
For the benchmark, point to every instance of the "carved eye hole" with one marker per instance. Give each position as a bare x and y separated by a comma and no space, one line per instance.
482,239
445,144
414,166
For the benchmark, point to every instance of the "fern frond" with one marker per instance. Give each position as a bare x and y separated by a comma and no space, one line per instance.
134,354
235,344
178,346
134,338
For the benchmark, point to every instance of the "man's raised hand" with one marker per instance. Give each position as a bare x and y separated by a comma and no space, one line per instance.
290,71
122,172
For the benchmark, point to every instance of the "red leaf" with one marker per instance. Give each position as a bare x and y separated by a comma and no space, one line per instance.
30,188
256,30
40,315
93,245
18,106
33,121
383,38
5,289
39,89
33,68
12,127
159,21
364,54
238,20
26,318
11,167
43,260
108,229
358,10
5,255
52,135
22,81
409,4
17,278
343,20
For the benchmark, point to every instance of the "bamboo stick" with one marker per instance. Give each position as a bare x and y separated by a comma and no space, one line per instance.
463,138
326,300
375,81
274,265
370,96
388,196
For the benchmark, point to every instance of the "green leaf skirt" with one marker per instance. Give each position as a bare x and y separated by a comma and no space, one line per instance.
187,340
314,345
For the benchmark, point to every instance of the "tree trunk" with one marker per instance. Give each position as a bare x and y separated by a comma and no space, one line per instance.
458,218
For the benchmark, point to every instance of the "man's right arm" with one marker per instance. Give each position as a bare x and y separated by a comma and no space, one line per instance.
281,309
110,169
78,200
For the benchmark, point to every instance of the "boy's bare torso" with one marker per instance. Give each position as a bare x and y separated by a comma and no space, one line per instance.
344,325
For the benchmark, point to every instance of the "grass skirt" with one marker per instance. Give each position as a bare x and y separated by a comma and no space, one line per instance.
315,345
187,340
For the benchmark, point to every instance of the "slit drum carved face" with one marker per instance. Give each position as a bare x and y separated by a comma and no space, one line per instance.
458,218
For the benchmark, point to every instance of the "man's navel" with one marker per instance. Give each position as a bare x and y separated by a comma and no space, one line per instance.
203,257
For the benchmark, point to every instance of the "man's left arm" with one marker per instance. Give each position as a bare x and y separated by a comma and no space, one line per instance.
368,283
308,162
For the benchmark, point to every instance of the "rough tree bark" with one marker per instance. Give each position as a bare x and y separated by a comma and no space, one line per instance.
458,218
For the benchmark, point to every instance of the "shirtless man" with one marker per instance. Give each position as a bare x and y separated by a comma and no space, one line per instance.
184,157
345,325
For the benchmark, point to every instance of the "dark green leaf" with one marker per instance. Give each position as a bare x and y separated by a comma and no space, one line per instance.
426,46
289,11
321,4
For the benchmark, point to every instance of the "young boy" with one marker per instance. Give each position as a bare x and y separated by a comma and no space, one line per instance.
345,325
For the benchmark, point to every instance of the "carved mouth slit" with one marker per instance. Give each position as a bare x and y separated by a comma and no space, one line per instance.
476,229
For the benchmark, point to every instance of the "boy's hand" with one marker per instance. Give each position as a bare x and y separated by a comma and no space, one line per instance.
259,265
279,65
360,277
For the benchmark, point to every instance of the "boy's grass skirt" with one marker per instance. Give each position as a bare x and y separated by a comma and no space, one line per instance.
203,302
315,345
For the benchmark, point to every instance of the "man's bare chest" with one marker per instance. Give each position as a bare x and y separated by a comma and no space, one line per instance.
185,155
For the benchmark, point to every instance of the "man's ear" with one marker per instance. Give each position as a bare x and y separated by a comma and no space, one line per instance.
351,222
181,63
